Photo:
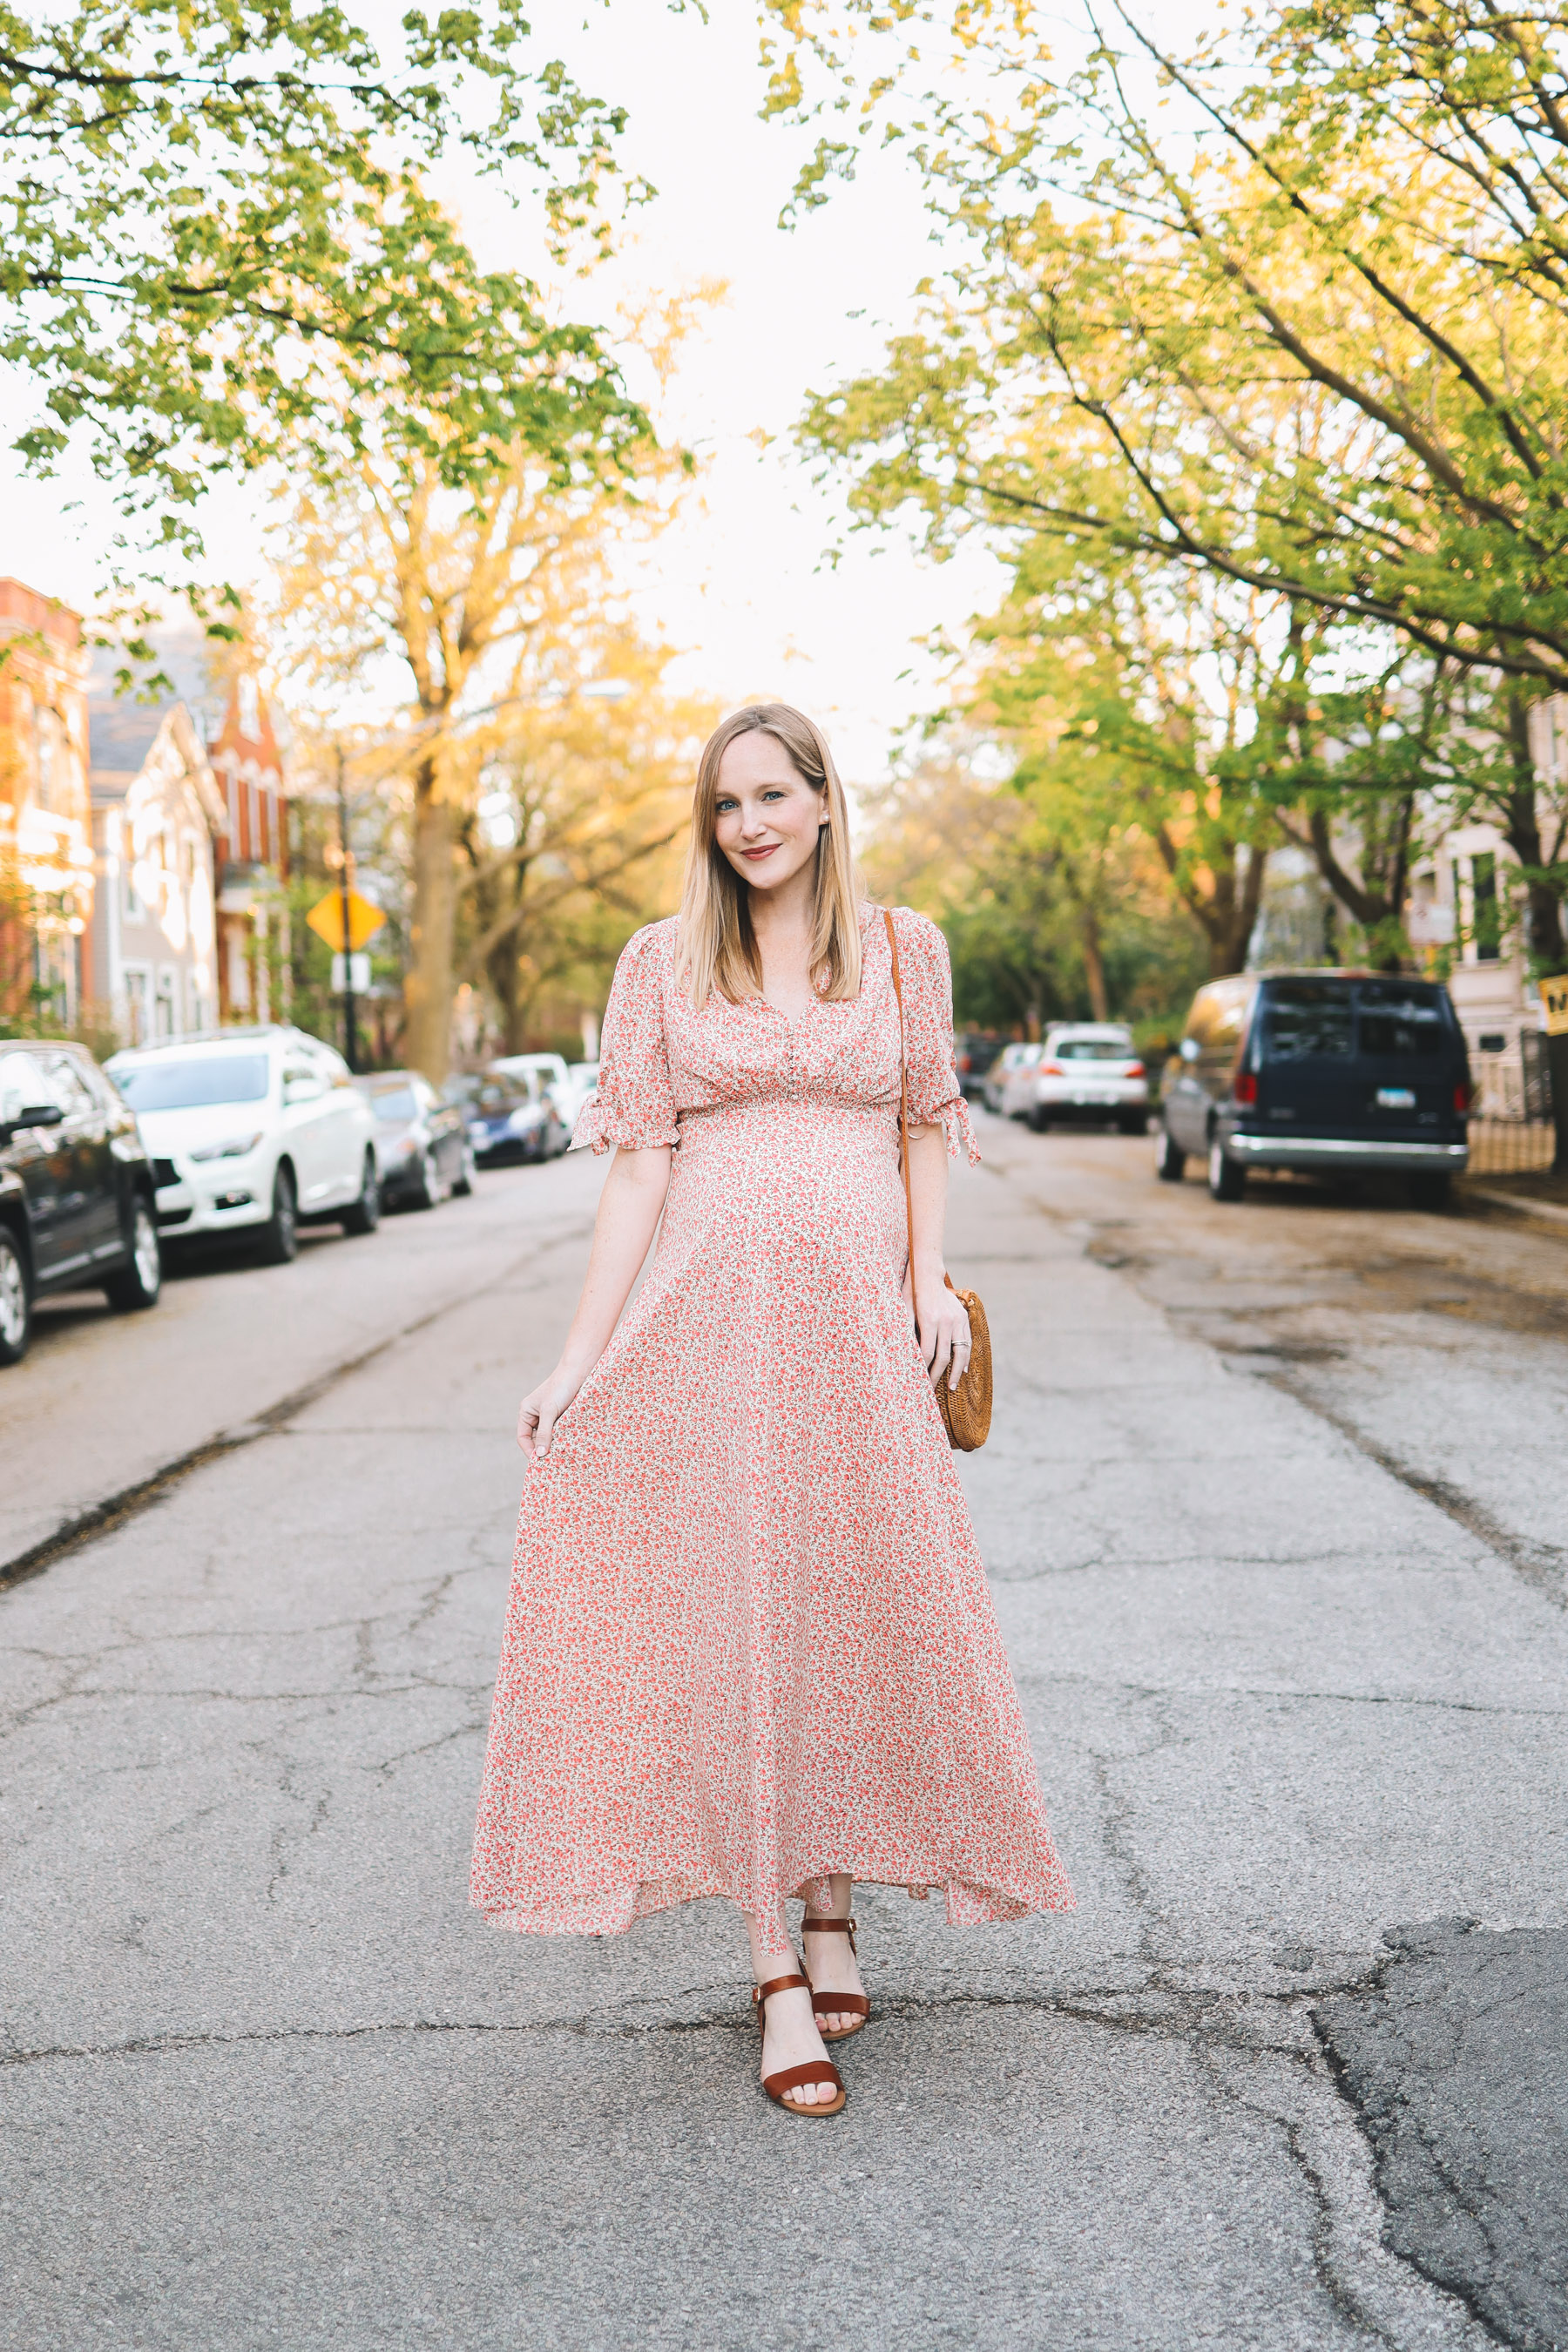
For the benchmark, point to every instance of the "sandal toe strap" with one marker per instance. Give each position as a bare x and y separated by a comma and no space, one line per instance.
840,2004
795,2078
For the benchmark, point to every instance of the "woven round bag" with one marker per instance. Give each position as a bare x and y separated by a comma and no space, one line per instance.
966,1409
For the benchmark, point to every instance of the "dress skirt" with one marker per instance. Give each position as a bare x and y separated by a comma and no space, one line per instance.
750,1639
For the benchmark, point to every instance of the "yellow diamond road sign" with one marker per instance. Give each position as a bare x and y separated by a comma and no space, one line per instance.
326,920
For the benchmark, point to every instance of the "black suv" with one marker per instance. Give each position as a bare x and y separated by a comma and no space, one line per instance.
76,1188
1321,1072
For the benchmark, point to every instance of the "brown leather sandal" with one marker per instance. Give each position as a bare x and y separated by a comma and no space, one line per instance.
795,2078
842,2004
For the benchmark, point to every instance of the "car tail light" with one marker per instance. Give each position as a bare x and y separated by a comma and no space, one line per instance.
1134,1070
1052,1070
1247,1085
1462,1096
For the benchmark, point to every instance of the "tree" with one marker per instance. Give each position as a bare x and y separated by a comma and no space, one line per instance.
575,838
217,244
468,604
1312,321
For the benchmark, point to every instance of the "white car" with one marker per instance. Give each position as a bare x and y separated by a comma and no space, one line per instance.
582,1079
549,1070
1006,1087
253,1131
1090,1070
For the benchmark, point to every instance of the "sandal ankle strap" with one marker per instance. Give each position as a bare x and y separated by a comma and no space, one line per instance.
845,1927
761,1993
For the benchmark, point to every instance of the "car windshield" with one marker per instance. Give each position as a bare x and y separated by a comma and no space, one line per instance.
1400,1021
1094,1049
493,1097
190,1082
1308,1021
394,1104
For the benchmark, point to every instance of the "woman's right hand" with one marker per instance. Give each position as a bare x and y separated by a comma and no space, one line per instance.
543,1407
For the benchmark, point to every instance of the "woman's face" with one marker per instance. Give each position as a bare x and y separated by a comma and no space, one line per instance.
766,815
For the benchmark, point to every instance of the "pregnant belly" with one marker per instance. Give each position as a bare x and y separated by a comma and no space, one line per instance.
793,1181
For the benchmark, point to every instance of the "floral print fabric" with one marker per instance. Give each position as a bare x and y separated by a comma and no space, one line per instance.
750,1641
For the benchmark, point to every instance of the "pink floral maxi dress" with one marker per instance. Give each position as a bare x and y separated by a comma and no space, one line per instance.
750,1639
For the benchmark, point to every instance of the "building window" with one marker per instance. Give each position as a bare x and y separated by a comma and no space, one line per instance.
137,983
167,1014
1488,917
49,736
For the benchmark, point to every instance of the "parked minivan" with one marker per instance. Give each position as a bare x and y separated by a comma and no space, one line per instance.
1320,1072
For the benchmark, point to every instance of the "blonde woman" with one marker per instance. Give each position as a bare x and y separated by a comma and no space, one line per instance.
750,1651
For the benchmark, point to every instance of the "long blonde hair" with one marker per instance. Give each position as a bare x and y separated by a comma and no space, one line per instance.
718,948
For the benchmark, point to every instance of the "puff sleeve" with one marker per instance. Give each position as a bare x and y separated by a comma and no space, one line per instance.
926,976
634,1104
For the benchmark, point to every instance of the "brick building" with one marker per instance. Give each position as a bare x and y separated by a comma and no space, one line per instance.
46,834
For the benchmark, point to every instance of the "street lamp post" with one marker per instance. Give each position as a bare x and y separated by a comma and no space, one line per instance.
344,884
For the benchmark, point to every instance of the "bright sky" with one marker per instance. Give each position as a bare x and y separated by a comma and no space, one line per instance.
740,584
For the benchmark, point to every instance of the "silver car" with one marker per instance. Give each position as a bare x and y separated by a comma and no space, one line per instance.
1090,1070
1006,1087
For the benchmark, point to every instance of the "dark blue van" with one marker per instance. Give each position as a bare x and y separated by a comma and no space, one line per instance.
1343,1072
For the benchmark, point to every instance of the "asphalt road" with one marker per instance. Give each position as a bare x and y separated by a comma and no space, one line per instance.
1274,1509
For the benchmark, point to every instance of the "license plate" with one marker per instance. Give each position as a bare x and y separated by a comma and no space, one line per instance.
1093,1102
1395,1099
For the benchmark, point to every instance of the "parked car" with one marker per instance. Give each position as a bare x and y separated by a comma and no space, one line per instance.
1090,1070
1320,1072
549,1070
253,1132
513,1119
422,1148
1006,1087
76,1189
974,1051
582,1079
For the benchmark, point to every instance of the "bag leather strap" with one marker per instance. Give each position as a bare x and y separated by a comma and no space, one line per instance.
903,1093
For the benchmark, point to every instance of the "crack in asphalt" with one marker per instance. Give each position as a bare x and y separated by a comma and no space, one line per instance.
1190,2013
143,1493
1544,1567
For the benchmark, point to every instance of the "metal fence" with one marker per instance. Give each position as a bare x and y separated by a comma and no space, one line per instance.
1511,1129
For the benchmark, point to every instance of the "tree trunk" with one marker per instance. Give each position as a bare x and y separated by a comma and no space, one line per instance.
1521,830
503,970
427,990
1094,965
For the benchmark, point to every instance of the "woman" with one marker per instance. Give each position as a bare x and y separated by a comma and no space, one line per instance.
750,1649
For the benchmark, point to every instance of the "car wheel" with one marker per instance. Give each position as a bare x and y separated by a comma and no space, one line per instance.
1430,1190
280,1233
1039,1119
426,1189
1226,1180
463,1183
1170,1165
140,1278
16,1301
363,1215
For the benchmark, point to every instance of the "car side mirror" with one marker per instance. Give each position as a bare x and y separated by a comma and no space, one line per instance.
302,1090
37,1115
1188,1049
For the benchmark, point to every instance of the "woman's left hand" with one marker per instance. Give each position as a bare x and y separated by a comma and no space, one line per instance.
943,1328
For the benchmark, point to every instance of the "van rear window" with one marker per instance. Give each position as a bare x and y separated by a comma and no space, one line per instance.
1395,1023
1306,1021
